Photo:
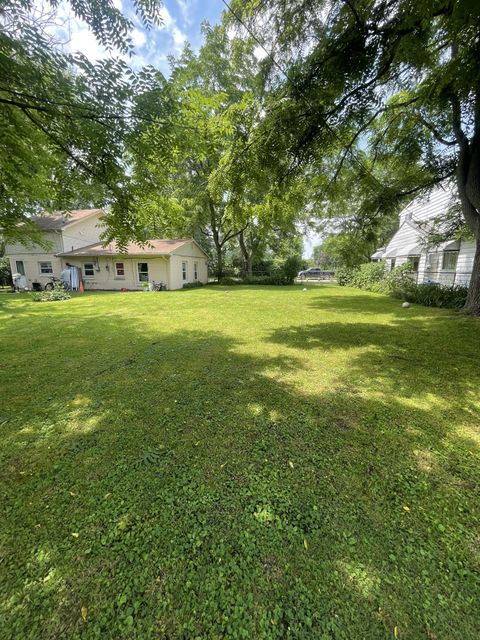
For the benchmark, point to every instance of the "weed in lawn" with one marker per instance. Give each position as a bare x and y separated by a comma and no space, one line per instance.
258,465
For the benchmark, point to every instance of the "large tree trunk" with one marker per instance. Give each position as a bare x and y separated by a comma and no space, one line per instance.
246,255
468,184
219,251
472,306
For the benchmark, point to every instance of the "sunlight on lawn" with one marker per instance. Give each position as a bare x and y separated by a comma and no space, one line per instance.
281,464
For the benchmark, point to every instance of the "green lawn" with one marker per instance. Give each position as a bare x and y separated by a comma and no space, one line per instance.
239,463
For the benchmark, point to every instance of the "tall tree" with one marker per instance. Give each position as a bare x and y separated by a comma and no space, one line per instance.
63,119
184,185
388,90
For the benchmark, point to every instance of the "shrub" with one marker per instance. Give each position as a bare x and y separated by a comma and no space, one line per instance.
344,276
193,285
435,295
57,293
399,279
370,276
290,269
278,279
227,281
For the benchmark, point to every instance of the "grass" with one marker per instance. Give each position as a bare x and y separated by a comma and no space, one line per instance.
239,463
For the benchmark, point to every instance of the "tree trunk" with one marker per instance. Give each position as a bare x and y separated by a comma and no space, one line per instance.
219,250
472,305
247,255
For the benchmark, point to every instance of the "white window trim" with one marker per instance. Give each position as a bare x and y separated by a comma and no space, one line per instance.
195,270
23,267
185,272
444,254
45,273
138,272
117,276
85,275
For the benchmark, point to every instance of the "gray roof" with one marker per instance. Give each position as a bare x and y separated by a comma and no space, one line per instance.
62,219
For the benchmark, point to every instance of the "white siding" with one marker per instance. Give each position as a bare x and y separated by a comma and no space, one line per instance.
105,277
31,256
410,234
82,233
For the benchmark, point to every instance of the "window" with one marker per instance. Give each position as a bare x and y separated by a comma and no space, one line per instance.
45,268
88,269
449,260
184,271
20,267
119,269
392,264
415,263
195,270
142,271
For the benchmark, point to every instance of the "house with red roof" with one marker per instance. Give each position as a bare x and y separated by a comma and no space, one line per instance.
73,239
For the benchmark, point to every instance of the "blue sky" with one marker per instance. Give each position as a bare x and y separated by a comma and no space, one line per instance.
182,20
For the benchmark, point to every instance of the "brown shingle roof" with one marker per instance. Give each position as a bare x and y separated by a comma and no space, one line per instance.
61,219
153,248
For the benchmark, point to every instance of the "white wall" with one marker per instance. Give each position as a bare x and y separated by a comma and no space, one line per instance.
31,256
82,233
176,276
409,234
105,277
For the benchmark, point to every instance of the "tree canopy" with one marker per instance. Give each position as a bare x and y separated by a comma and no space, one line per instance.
64,119
379,96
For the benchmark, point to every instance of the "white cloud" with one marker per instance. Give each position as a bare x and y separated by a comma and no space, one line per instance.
138,38
184,6
83,41
170,26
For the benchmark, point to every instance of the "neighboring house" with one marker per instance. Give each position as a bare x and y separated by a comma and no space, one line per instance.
449,262
74,238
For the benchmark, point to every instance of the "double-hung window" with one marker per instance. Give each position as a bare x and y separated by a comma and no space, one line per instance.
195,270
184,271
142,271
449,260
45,268
119,269
415,263
20,267
88,269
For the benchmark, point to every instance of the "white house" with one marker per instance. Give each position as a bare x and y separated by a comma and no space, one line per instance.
74,239
449,263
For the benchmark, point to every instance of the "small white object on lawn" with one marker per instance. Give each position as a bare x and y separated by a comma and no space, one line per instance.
405,305
304,289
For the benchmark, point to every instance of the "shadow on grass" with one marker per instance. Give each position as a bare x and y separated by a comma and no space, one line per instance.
177,487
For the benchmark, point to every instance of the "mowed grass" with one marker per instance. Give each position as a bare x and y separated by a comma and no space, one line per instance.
239,463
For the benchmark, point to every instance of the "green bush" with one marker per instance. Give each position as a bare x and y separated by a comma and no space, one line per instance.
278,279
192,285
290,269
435,295
370,276
399,278
227,281
57,293
344,276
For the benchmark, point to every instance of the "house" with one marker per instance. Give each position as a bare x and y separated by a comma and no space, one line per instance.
449,262
74,239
